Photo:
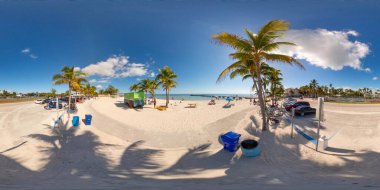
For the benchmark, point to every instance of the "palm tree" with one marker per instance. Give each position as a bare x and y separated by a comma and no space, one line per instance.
166,78
72,77
134,87
256,49
89,90
274,80
53,92
313,87
152,86
144,86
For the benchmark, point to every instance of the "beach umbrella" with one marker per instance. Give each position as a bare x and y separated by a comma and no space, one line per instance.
229,99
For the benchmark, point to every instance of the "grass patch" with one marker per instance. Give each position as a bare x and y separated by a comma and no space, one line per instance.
8,101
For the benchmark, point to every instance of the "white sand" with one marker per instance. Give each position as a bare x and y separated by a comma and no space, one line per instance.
178,149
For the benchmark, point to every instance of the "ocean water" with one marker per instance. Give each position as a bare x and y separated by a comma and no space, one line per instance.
197,96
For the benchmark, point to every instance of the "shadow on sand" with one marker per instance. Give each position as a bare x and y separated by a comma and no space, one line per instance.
76,159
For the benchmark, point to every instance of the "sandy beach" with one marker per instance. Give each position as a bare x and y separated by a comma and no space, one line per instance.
179,149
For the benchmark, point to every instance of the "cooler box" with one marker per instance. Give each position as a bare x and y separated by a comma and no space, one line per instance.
87,120
75,121
230,141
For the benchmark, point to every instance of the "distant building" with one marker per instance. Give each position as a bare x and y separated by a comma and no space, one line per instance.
292,92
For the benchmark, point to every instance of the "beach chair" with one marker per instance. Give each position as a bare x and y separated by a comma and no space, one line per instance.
212,102
192,105
227,106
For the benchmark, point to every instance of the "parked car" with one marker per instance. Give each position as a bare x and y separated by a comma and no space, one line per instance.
303,110
39,101
288,101
46,101
296,104
53,105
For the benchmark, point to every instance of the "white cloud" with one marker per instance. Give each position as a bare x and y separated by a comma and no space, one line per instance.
152,74
116,67
28,52
25,51
76,68
33,56
374,78
99,87
99,81
326,49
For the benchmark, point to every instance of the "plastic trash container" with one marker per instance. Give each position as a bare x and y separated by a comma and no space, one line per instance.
230,141
250,148
75,121
87,120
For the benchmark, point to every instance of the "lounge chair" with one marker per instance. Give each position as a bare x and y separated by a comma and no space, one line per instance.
227,106
161,108
192,105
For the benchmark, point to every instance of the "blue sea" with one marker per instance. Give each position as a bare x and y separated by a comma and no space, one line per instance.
197,96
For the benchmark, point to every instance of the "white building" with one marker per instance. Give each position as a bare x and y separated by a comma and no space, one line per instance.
292,92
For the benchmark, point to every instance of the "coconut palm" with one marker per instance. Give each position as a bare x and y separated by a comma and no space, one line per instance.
134,87
152,86
144,86
72,77
274,79
166,78
89,90
258,48
313,87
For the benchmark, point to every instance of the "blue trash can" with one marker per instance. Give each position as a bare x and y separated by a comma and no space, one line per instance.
250,148
75,121
87,120
230,141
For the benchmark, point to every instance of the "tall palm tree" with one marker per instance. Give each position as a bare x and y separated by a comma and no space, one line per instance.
275,82
72,77
134,87
152,86
258,48
166,78
144,86
313,87
89,90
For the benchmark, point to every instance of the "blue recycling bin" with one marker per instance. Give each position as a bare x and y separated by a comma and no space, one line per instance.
87,120
75,121
230,141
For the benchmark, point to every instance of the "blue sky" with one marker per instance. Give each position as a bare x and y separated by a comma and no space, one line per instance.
135,38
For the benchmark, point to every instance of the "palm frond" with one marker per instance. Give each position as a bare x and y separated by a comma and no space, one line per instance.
283,58
233,41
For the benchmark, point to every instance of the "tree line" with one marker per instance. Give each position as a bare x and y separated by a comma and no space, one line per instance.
313,90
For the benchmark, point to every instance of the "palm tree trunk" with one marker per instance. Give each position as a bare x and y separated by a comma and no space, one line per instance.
260,94
145,97
154,100
68,109
167,98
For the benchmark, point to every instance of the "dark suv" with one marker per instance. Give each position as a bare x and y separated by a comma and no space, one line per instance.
296,104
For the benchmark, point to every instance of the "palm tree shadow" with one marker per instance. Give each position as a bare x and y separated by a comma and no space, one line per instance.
73,156
199,159
136,158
